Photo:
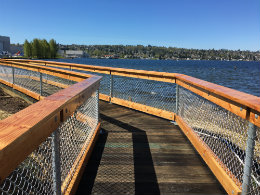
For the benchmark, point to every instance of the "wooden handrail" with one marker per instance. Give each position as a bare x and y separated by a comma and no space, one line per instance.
242,104
239,97
24,131
143,74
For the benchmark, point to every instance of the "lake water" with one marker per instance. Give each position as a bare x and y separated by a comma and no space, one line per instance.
239,75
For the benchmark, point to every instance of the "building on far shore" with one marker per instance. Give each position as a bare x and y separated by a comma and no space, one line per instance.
4,46
72,53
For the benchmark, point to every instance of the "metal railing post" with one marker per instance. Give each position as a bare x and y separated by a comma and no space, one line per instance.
249,158
111,86
13,73
56,162
41,84
177,98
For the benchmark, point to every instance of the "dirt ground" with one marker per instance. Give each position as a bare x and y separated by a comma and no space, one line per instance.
10,105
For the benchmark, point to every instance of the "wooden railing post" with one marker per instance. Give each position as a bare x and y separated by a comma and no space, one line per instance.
249,158
56,162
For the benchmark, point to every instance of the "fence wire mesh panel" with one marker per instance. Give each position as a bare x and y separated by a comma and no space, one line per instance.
56,84
6,73
255,174
104,87
223,132
27,79
33,175
75,135
156,94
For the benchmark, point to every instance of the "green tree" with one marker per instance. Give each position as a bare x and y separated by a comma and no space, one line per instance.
46,52
36,49
27,49
53,48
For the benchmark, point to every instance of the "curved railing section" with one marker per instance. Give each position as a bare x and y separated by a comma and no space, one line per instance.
222,124
44,148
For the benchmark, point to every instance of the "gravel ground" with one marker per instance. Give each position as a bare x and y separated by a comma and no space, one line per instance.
10,105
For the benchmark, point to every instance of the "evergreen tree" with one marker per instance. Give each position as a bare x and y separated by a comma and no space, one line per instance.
27,49
53,48
46,52
36,49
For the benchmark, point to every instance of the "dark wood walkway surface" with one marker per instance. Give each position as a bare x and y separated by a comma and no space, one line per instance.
142,154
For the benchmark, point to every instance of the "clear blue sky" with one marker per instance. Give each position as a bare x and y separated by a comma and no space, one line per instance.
202,24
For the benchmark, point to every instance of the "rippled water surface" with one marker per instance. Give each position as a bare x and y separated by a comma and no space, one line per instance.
239,75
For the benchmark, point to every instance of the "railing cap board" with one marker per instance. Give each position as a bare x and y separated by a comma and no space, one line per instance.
70,73
105,68
239,97
23,132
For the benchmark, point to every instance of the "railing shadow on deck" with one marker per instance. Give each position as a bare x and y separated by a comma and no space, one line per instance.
145,180
91,169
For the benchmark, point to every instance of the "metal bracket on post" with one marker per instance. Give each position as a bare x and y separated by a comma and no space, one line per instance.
177,98
111,87
41,84
56,162
249,158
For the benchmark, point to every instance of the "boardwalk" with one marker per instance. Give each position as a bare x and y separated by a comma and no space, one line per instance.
142,154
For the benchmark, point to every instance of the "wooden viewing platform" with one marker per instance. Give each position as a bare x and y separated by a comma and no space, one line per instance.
137,153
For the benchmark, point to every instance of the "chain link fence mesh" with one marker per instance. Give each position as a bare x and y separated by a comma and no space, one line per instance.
30,80
156,94
27,79
104,83
223,132
53,87
6,73
35,174
75,135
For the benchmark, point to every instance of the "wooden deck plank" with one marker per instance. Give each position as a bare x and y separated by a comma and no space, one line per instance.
142,154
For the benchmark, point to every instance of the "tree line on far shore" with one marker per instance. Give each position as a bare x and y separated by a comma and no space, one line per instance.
156,52
40,49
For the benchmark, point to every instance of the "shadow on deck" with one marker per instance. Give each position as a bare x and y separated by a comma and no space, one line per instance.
142,154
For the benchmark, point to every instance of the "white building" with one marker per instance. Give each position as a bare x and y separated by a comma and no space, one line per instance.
72,53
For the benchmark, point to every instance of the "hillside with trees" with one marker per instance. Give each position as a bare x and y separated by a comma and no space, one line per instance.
154,52
40,49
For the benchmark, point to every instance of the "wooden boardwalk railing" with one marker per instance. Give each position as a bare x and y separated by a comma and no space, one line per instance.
23,135
226,114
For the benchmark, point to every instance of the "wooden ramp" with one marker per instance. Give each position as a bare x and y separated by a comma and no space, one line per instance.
142,154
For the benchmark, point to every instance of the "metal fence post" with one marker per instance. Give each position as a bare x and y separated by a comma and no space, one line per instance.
41,84
249,158
56,162
111,86
13,73
98,105
177,98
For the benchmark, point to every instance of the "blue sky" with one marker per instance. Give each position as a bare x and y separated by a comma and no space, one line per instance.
202,24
